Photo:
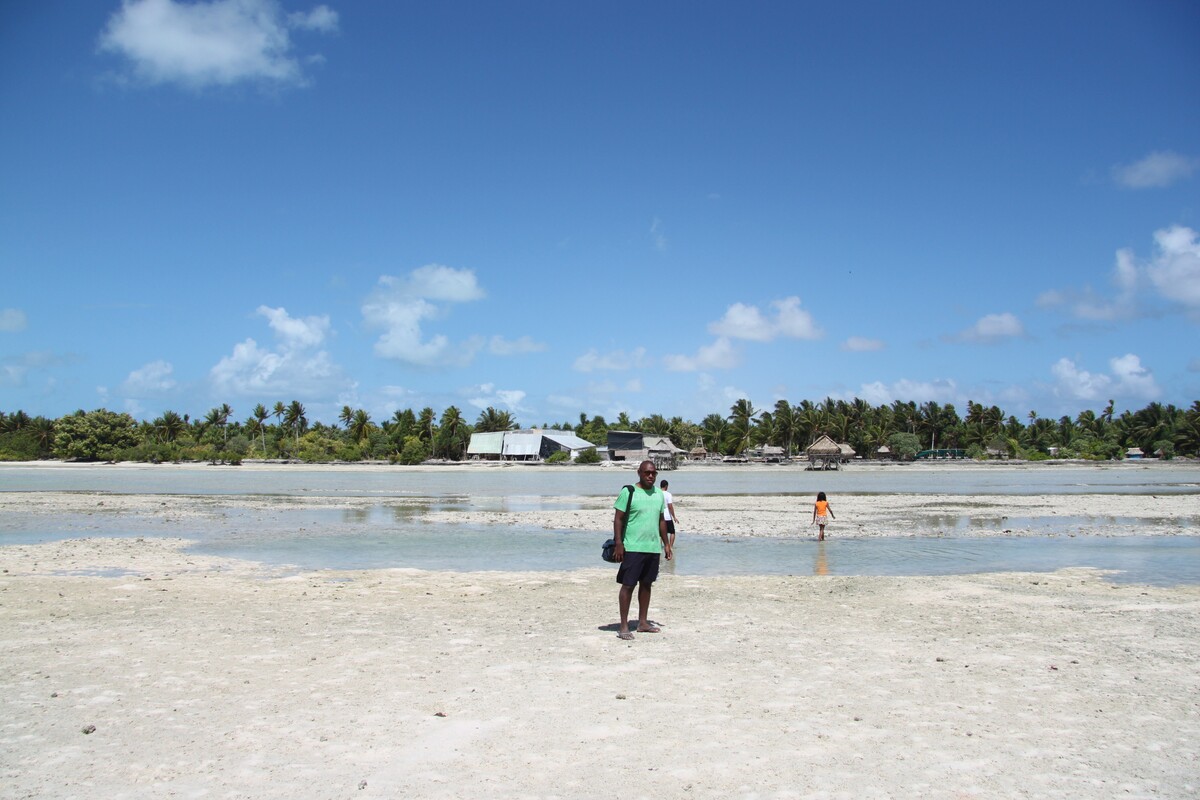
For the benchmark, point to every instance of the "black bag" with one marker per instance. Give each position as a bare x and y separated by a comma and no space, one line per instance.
608,549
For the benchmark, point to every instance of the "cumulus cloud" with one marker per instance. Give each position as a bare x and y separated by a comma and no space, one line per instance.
594,361
295,366
1157,170
153,378
218,43
742,321
1128,380
400,306
861,344
1173,273
718,355
487,395
12,320
992,328
1175,270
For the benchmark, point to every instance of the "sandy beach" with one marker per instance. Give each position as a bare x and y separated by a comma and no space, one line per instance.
132,668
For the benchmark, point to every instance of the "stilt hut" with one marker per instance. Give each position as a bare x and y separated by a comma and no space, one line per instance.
824,453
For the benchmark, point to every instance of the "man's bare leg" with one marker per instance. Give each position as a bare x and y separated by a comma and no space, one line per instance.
644,625
624,599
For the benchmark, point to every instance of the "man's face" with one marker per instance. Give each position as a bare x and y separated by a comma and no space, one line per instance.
646,475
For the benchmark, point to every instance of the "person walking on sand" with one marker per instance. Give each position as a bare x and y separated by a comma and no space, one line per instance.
669,511
640,538
822,513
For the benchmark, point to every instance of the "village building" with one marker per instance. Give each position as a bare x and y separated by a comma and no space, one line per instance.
636,446
525,445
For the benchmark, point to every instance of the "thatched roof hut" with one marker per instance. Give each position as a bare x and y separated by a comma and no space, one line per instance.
824,453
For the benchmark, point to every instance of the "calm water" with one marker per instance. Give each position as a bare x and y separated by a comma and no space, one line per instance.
954,478
387,536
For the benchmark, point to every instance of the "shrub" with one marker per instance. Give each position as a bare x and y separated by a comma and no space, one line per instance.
589,456
558,457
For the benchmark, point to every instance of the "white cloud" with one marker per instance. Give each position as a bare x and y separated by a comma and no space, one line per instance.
12,320
293,332
860,344
742,321
1175,271
1133,380
152,378
217,43
487,394
593,361
1078,384
1156,170
993,328
294,367
718,355
401,305
499,346
322,19
941,391
1129,380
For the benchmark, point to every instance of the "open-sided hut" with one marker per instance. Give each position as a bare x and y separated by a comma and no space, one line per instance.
824,453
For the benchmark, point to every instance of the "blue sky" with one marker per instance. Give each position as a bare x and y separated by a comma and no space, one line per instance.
555,208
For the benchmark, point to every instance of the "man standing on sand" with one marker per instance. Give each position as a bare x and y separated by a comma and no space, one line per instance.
640,538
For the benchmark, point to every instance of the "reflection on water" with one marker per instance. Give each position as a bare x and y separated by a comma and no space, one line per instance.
820,560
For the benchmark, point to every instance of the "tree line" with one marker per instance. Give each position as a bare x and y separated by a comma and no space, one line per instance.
410,437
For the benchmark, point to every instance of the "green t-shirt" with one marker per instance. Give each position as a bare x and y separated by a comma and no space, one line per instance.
641,529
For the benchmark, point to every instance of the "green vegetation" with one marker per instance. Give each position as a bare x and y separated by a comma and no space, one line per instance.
410,437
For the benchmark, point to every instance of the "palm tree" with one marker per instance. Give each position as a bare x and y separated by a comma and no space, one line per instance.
359,426
451,430
260,418
43,434
169,426
294,419
16,421
491,420
715,427
742,416
425,426
346,416
787,423
655,425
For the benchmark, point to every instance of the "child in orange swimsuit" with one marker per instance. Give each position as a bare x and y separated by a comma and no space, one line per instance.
822,513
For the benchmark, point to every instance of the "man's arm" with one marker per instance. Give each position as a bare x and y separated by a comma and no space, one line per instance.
618,534
674,516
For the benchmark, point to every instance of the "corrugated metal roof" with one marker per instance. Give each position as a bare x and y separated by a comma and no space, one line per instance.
486,444
568,440
522,444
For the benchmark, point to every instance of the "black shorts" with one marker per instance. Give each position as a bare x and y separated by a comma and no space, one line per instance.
671,527
638,568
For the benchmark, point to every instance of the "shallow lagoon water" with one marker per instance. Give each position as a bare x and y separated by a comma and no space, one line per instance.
391,536
534,480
